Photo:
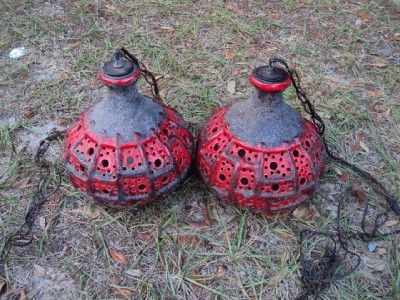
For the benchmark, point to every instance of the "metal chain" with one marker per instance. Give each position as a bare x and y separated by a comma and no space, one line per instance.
148,76
318,273
22,236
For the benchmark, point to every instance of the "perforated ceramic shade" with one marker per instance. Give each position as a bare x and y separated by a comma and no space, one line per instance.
272,169
127,149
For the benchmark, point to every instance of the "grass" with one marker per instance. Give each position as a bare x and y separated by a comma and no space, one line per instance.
198,47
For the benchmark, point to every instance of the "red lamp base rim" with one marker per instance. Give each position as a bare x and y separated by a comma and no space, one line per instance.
269,87
125,81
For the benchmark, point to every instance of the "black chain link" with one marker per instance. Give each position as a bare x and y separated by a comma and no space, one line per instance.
319,272
148,76
22,236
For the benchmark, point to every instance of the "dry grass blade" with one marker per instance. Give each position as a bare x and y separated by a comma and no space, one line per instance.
378,64
198,225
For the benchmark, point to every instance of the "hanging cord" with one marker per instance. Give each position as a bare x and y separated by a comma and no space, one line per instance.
22,236
148,76
317,274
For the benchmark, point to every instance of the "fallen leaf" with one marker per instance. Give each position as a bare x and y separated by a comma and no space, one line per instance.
21,147
286,256
359,193
231,233
374,263
42,222
221,270
208,245
274,15
375,94
110,7
380,111
363,15
196,272
146,236
198,225
235,71
338,171
22,295
206,215
29,113
378,64
118,257
134,273
167,28
391,223
306,213
92,212
316,36
285,235
229,54
126,292
395,149
345,176
196,275
75,44
188,240
359,136
381,251
396,38
231,87
39,271
272,216
3,288
364,146
276,279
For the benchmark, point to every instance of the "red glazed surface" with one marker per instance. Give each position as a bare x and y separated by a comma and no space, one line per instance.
259,177
109,81
131,173
269,87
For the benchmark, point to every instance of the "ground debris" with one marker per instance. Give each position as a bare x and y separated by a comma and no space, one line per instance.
306,212
231,87
373,262
134,273
17,52
359,193
188,241
118,257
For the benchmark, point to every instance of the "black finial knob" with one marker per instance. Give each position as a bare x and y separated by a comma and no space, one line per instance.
270,74
119,67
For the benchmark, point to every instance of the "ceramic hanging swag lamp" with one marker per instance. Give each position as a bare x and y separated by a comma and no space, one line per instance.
261,153
127,149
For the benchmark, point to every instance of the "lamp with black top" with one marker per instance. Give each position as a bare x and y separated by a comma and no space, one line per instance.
261,153
127,149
